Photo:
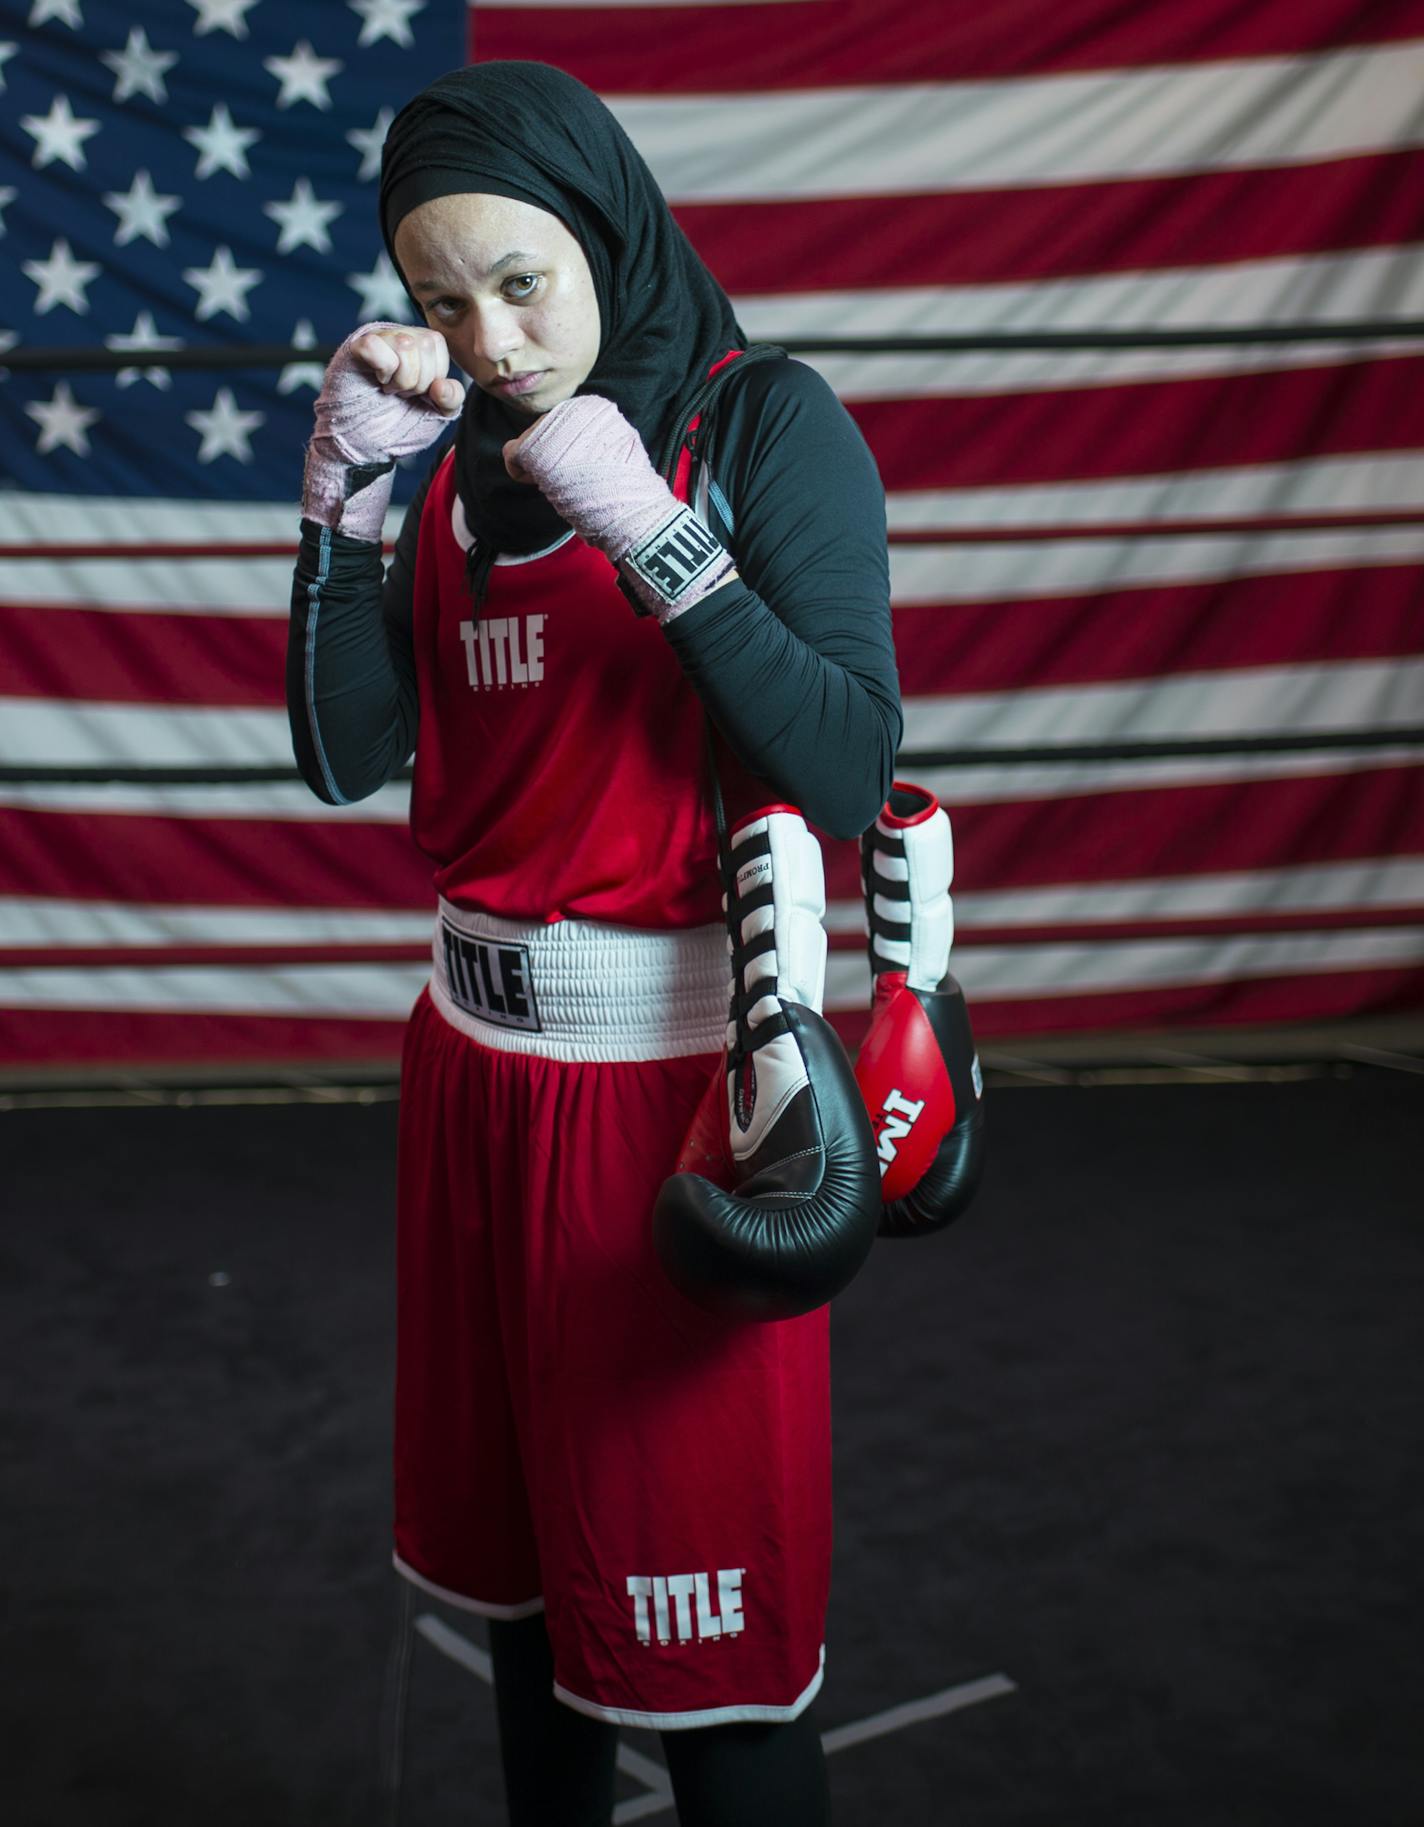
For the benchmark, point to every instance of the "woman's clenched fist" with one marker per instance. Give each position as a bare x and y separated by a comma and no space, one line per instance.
388,393
413,363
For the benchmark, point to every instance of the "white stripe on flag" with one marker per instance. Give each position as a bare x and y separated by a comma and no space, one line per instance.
352,992
1306,290
61,732
260,588
891,377
1310,888
114,520
1315,485
138,586
387,992
1015,571
277,800
1255,701
37,921
1346,695
1081,127
1022,782
1022,973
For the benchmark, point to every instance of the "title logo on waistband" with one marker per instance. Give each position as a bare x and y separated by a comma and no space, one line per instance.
490,980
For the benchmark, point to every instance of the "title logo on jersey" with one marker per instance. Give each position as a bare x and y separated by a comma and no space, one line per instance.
678,1607
504,650
676,555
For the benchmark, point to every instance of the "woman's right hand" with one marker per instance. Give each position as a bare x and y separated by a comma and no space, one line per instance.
387,393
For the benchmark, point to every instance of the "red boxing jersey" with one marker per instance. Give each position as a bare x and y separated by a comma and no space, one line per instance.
560,767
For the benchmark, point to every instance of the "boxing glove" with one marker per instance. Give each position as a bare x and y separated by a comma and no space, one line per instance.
917,1068
785,1207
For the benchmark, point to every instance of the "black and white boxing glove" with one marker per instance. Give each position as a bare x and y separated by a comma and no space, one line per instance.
795,1214
917,1067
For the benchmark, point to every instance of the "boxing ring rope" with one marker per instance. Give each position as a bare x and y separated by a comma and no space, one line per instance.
279,355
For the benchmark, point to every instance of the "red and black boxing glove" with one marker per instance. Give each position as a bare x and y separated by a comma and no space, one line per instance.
917,1068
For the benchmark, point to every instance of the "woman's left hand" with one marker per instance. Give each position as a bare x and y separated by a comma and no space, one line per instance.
590,465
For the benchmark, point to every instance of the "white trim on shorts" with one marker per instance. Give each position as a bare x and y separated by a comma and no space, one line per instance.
600,992
622,1715
712,1715
462,1600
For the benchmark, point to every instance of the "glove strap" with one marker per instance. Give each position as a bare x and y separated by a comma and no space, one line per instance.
906,867
755,1014
775,903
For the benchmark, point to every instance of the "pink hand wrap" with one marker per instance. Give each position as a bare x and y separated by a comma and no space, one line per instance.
360,431
590,465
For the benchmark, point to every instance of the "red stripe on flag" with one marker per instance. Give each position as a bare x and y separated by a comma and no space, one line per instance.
988,237
1144,428
224,661
136,657
1311,996
971,937
666,50
1297,619
220,862
1180,830
1202,829
127,1041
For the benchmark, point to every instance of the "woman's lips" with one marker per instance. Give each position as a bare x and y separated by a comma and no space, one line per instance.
521,383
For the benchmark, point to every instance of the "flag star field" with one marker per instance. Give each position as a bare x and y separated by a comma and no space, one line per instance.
207,176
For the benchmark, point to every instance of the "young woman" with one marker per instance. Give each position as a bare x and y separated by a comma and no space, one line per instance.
634,1489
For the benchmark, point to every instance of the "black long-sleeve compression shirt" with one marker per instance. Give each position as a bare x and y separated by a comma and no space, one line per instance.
794,659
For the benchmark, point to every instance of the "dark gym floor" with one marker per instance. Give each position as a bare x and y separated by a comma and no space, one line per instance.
1142,1435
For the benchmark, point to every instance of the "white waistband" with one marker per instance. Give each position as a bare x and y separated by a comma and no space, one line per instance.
580,989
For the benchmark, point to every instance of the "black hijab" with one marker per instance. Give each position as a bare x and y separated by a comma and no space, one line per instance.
534,133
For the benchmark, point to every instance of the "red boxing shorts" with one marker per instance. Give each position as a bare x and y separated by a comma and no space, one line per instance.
572,1434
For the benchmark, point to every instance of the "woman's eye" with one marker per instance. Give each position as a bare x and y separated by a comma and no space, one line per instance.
522,285
443,308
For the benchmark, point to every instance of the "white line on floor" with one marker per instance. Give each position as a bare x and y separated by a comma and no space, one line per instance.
948,1700
458,1648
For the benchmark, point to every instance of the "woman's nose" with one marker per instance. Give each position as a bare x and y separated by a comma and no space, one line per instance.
497,335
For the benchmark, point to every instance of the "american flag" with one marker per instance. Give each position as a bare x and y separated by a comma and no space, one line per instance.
1160,610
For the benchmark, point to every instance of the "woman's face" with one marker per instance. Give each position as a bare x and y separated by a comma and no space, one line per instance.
509,289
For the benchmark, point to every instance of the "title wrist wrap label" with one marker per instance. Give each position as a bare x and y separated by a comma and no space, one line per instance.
681,553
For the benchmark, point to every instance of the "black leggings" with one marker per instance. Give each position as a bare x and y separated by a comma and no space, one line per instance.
558,1764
